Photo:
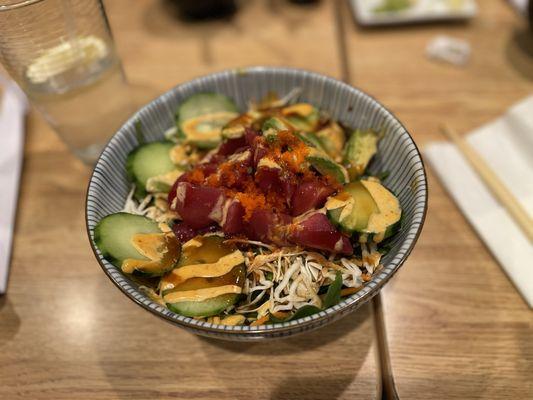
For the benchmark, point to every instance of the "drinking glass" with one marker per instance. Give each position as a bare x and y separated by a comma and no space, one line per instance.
62,55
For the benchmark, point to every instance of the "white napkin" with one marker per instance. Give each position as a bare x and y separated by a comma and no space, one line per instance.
520,5
506,145
13,107
449,49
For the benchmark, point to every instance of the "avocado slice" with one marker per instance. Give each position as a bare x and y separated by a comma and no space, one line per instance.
359,150
310,139
332,139
325,165
272,126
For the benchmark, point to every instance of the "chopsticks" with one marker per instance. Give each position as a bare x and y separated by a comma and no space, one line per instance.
495,185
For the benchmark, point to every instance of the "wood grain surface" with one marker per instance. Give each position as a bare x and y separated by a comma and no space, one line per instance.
457,327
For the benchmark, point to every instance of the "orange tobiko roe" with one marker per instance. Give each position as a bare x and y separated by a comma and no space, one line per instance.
237,179
249,194
196,176
228,175
291,152
251,201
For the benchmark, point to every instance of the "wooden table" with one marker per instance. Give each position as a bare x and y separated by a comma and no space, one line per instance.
457,327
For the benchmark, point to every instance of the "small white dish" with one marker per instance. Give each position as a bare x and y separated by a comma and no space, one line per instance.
366,14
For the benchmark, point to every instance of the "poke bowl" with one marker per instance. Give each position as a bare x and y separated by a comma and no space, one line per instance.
256,203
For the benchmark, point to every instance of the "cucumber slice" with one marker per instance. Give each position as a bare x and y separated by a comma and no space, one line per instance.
148,161
204,103
202,116
390,231
113,236
204,308
202,250
368,207
326,166
359,150
386,221
351,209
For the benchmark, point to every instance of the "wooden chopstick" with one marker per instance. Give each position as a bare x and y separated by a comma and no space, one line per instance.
495,185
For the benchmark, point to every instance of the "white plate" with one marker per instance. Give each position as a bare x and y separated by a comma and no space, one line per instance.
419,11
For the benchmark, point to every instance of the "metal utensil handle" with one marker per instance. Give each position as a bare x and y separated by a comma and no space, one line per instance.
388,388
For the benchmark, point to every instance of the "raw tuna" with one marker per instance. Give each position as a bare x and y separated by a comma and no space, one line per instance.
267,179
198,206
259,152
250,135
273,179
309,195
317,232
231,145
268,227
287,186
232,222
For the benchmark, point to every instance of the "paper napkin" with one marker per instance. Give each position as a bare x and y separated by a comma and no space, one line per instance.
13,107
506,145
520,5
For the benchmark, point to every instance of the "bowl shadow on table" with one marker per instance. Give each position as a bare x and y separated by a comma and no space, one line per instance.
320,364
9,320
519,52
336,361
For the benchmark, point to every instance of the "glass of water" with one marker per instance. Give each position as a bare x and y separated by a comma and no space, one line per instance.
62,55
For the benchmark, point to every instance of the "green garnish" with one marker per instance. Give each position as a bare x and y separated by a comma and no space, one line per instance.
390,6
333,295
